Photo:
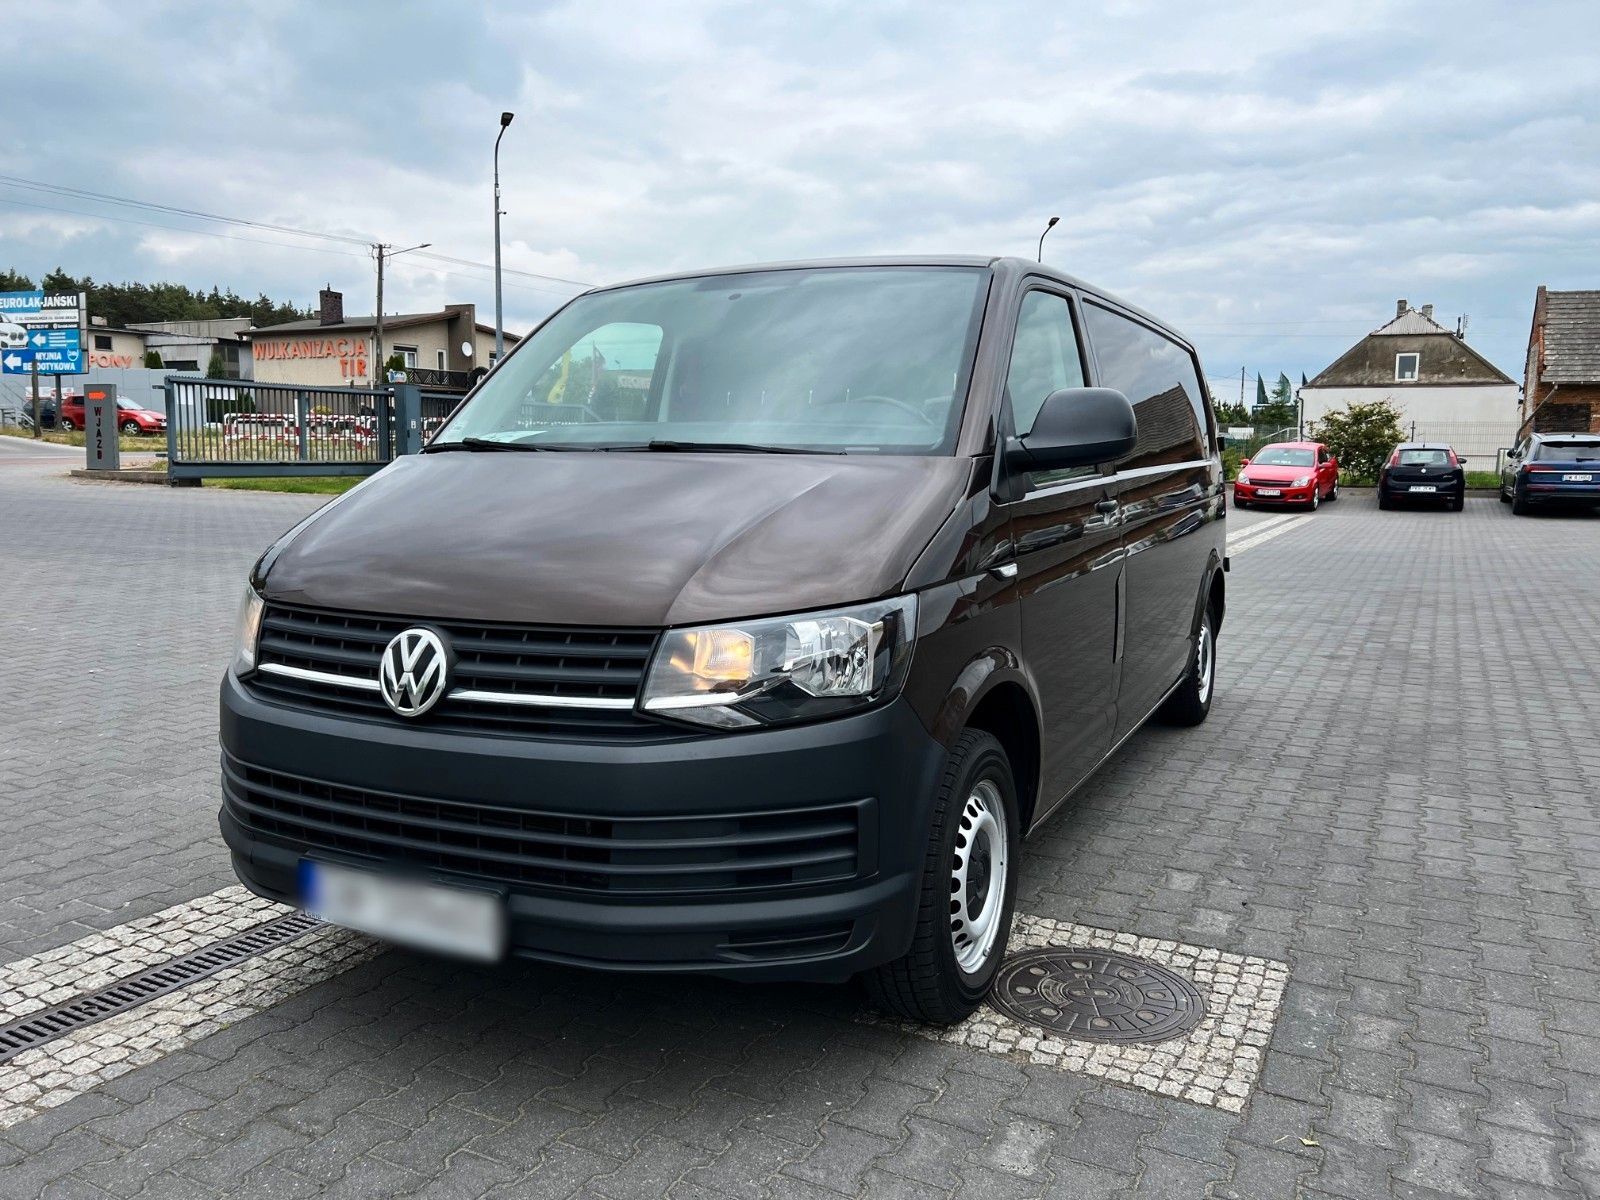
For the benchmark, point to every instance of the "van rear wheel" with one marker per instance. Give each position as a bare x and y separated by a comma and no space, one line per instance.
969,888
1190,704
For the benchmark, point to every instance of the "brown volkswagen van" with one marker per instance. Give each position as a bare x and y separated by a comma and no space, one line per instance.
740,622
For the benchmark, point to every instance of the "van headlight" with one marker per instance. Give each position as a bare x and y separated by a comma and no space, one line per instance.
798,668
247,631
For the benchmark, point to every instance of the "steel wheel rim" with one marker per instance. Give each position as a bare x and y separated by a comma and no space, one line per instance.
978,875
1205,660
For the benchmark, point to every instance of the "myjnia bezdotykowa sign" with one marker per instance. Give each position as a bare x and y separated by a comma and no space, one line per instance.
43,330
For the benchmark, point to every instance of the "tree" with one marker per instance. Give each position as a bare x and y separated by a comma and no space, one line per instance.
15,281
152,360
1277,411
123,304
1361,437
216,368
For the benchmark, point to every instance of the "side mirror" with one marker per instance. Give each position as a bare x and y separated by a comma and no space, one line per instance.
1076,427
1243,463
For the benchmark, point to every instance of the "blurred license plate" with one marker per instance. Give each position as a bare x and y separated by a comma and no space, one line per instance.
1269,491
424,915
1424,487
1577,479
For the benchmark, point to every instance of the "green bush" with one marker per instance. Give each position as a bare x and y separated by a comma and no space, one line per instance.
1361,437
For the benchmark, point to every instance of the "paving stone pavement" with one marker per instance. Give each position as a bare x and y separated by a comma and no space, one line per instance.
1394,796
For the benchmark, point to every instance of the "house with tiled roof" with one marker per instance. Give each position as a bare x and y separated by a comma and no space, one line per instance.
1445,390
1561,381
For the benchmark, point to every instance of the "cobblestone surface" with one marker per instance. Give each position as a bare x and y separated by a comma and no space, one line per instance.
1420,847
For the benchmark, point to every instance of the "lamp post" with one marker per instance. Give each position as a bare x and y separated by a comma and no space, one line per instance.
1048,226
382,250
499,322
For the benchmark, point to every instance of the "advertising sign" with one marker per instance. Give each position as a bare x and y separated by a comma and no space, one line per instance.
43,330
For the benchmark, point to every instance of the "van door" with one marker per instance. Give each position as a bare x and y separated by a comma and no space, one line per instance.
1064,530
1166,490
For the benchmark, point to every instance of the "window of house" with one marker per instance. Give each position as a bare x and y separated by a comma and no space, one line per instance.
440,353
1406,367
102,341
408,355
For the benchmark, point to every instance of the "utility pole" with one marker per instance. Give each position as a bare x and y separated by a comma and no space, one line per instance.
375,372
1241,369
382,250
36,430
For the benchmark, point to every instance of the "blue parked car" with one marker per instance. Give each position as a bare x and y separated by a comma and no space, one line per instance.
1546,469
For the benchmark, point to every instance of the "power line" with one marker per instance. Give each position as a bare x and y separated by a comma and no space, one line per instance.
35,185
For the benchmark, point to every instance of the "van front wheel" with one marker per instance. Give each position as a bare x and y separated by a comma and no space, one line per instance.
969,887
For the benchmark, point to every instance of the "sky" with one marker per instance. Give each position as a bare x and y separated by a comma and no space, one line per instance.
1268,178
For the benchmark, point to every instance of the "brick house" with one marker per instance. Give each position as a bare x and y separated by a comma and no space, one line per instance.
1561,383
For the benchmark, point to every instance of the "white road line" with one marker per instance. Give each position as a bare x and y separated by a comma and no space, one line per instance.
1258,534
80,1061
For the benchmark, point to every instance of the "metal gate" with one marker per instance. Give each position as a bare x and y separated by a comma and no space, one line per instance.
242,428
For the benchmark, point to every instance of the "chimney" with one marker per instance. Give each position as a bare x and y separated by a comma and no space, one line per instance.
331,306
1400,307
1427,311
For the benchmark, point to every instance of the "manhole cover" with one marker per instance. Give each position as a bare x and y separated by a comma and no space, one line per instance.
1097,995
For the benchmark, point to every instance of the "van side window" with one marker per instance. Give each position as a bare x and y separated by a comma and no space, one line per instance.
1044,357
1159,377
605,375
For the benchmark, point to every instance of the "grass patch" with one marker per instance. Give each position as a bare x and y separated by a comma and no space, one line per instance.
59,437
315,485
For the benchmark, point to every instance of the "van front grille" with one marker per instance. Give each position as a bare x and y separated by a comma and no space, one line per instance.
606,854
305,654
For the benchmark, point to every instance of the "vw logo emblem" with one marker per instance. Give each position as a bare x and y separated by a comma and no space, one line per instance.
415,672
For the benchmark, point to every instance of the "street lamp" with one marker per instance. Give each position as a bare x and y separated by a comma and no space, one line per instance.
499,322
1049,225
383,250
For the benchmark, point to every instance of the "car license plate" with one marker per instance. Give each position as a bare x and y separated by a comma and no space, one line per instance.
1269,491
426,916
1424,487
1577,479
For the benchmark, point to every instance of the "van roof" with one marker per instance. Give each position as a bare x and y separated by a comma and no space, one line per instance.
1000,265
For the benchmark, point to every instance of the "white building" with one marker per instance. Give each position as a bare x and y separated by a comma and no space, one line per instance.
1445,390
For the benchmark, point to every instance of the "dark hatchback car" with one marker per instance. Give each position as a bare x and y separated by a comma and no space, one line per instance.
1423,472
1551,469
741,622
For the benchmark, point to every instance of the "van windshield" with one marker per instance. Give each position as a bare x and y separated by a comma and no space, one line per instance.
852,360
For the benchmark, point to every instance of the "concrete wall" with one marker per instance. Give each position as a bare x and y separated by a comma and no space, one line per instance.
1478,421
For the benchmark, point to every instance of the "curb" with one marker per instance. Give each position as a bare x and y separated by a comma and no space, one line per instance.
132,475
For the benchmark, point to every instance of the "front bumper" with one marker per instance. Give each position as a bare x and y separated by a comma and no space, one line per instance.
882,763
1252,493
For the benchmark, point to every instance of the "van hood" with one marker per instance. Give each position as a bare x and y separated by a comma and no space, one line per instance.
620,538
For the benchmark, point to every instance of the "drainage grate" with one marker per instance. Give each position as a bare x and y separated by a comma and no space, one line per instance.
48,1024
1097,995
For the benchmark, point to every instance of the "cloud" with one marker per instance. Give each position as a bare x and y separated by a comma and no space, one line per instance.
1267,177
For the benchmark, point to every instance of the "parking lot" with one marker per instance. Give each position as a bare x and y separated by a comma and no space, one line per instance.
1384,847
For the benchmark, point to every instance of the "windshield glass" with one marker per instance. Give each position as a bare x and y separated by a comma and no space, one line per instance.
857,359
1424,458
1568,451
1283,456
129,406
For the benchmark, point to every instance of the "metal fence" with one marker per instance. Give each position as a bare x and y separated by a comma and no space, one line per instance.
218,427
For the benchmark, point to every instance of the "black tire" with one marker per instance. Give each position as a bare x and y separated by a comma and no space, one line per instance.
129,428
66,425
1519,502
1191,703
1457,503
928,983
1333,492
1504,499
1241,504
1383,499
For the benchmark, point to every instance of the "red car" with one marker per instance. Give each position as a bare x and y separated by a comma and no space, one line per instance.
1288,473
131,417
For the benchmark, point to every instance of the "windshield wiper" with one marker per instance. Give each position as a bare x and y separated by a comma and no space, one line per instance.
723,447
478,443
